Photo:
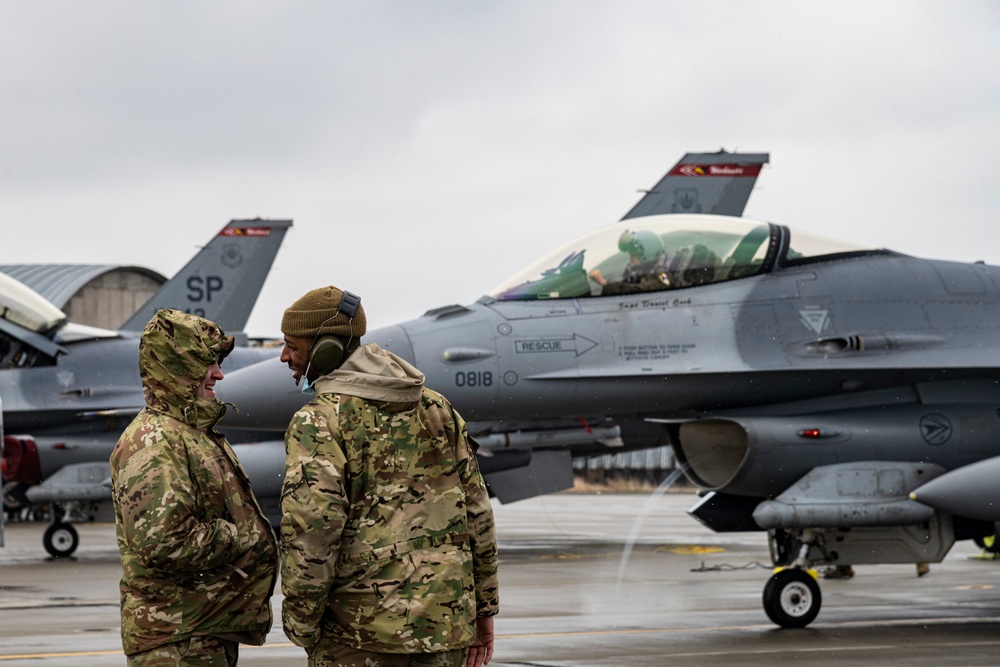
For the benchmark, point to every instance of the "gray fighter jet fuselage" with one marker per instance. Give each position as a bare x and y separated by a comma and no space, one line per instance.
845,326
94,388
809,386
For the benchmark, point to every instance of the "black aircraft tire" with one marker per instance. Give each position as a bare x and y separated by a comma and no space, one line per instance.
792,598
13,495
61,540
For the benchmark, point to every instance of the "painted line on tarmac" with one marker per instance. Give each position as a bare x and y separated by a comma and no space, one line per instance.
70,654
812,626
91,654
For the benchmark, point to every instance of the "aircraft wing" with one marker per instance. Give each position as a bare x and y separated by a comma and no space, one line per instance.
222,282
713,183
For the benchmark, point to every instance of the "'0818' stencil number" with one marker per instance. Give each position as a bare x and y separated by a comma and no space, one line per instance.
474,379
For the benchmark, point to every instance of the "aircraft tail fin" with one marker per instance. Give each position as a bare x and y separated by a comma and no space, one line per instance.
712,183
222,282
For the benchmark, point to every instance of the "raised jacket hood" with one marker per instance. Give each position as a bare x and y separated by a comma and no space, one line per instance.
376,375
175,352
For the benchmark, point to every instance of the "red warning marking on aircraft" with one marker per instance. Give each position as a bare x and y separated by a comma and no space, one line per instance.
731,170
245,231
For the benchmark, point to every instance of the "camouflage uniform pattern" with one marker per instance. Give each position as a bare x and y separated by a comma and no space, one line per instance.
338,656
387,536
196,651
198,556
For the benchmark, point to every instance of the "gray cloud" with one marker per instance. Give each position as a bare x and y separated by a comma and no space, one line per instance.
429,150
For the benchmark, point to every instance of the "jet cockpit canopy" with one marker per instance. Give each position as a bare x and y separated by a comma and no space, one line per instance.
27,308
661,252
27,324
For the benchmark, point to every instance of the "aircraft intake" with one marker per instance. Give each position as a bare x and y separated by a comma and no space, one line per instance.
712,451
20,460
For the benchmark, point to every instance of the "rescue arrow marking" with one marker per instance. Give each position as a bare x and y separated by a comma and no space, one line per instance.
577,344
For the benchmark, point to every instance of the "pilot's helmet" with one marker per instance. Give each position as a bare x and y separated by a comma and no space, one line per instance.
644,244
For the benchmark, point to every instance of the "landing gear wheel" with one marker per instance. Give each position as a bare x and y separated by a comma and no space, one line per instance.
792,598
60,540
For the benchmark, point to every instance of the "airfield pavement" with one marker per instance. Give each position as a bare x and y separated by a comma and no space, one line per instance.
587,580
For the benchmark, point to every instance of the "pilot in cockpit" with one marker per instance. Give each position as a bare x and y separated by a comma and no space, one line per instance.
646,270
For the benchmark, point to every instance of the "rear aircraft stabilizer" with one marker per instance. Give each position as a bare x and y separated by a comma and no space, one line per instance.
221,282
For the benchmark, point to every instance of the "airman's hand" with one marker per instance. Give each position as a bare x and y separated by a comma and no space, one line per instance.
481,651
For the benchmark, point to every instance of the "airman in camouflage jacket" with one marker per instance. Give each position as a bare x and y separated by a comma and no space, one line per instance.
388,542
198,556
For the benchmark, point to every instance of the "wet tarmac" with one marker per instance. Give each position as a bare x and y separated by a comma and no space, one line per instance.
587,580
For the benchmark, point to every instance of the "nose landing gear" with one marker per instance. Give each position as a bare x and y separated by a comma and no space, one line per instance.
792,598
61,539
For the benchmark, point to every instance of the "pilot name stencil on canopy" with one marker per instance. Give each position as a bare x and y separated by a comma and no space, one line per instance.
649,303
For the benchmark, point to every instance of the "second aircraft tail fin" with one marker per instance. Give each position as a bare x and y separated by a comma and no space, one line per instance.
222,282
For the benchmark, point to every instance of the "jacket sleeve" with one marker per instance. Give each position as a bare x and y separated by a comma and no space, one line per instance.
158,502
482,530
313,514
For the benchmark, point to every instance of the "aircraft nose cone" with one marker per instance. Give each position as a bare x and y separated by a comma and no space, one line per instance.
394,339
264,395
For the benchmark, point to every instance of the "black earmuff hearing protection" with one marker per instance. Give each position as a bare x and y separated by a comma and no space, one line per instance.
327,352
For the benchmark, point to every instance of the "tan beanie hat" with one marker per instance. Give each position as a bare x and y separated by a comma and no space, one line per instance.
313,315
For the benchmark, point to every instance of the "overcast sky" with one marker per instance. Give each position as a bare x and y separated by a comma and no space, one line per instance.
429,150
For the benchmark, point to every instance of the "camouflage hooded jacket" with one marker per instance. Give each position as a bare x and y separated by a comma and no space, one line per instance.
199,558
387,535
